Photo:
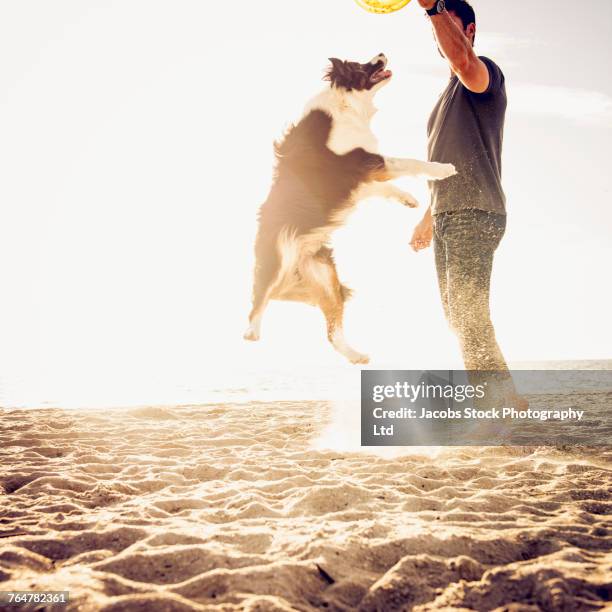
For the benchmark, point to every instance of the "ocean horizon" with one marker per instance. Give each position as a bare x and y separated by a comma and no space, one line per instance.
138,388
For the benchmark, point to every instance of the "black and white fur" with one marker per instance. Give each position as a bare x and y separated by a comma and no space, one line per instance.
326,164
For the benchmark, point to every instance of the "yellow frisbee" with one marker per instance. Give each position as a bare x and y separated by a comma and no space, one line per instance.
382,6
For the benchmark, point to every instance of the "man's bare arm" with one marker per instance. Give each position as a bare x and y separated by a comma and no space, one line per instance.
457,49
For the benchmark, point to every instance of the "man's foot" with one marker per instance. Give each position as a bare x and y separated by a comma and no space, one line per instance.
514,400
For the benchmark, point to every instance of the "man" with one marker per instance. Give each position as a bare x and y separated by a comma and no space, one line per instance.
467,217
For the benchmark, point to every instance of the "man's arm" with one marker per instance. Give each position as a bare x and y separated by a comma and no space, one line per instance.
457,49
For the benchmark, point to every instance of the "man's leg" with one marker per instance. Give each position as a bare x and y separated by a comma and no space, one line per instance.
470,239
440,257
464,246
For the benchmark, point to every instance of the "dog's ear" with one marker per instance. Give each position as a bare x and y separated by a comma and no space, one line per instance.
335,70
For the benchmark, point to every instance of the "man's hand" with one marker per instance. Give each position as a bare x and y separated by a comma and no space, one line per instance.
427,4
423,232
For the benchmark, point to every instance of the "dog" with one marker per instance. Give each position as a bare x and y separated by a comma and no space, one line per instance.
325,164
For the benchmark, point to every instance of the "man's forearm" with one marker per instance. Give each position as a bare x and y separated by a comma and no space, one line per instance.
452,41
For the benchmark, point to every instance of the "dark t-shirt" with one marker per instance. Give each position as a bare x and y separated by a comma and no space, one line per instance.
466,129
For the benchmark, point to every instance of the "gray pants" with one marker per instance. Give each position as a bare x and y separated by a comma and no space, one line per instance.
464,244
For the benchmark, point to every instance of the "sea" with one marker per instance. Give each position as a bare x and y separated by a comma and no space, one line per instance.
130,388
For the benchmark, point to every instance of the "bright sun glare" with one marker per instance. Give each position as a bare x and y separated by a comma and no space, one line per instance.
149,131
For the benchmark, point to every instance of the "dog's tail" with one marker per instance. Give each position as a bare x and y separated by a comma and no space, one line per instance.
347,293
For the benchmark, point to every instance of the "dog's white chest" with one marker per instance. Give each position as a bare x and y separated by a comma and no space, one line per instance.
348,134
351,114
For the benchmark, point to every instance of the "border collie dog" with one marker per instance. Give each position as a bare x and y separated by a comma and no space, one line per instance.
326,164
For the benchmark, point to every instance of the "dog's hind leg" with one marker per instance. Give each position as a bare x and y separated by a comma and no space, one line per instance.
267,272
319,272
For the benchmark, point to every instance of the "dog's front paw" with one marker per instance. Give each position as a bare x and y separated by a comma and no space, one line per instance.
408,200
251,335
442,171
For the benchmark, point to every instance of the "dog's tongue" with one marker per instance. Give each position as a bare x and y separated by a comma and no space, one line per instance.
382,74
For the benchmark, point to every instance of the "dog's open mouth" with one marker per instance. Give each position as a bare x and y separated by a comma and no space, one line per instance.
381,74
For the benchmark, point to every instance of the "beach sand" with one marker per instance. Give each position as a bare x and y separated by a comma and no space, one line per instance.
230,507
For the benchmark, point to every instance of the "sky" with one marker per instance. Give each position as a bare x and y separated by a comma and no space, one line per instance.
135,149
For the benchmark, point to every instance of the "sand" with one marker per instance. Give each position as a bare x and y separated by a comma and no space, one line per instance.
231,508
